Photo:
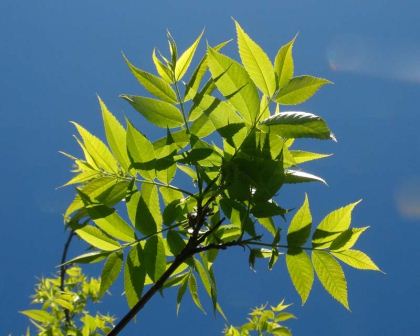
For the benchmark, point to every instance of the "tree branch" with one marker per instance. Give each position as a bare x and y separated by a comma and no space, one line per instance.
63,272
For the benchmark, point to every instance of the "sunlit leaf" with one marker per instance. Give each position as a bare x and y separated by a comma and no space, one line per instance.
234,83
298,176
331,276
256,62
88,258
181,292
162,69
141,152
296,124
158,112
301,272
192,286
97,238
115,135
38,315
154,257
97,150
111,223
185,59
299,89
110,271
155,85
356,259
283,64
347,239
300,226
134,275
332,225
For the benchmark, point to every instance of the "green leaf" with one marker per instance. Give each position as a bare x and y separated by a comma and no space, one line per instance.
38,315
268,224
283,64
115,135
301,272
256,62
234,83
175,242
97,238
88,258
347,239
298,157
300,89
331,276
298,176
300,226
356,259
134,275
181,292
332,225
141,152
111,223
154,257
105,190
155,85
158,112
110,271
295,124
192,286
148,215
162,69
185,59
97,150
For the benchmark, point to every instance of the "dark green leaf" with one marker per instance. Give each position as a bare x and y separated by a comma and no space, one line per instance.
134,275
154,257
110,271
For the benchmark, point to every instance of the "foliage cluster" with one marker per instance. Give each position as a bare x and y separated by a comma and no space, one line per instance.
225,129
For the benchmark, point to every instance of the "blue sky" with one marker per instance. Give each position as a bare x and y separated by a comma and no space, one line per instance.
56,55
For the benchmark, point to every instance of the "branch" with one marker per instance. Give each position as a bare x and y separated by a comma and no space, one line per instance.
63,272
185,254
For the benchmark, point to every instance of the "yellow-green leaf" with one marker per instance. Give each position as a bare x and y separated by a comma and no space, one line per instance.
38,315
155,85
110,222
134,275
356,259
234,83
162,69
141,152
97,150
158,112
256,62
110,271
283,64
154,257
331,276
97,238
301,272
300,89
332,225
115,135
192,285
300,226
347,239
185,59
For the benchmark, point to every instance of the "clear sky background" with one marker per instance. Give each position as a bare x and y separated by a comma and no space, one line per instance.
55,55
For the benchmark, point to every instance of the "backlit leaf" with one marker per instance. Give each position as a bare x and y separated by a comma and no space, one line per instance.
134,275
192,285
301,272
283,64
299,89
185,59
110,271
300,226
331,276
332,225
356,259
154,257
298,176
38,315
234,83
115,135
296,124
347,239
97,238
158,112
256,62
